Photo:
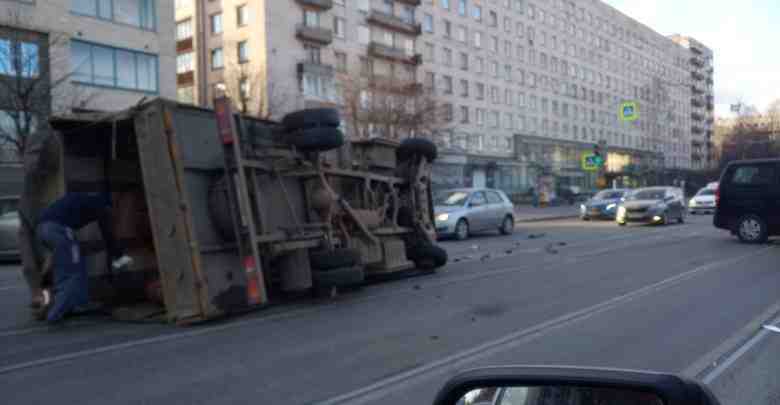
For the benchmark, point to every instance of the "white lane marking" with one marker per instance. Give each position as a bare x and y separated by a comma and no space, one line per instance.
715,373
384,386
772,328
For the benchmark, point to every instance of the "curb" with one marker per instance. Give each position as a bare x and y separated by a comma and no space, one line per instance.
542,219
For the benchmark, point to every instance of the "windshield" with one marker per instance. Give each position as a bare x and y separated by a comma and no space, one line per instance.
705,191
451,198
648,195
608,195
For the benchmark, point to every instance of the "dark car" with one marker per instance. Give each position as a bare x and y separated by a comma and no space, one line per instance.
653,205
9,228
603,205
748,200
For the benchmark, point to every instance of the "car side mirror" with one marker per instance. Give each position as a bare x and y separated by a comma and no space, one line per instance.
546,384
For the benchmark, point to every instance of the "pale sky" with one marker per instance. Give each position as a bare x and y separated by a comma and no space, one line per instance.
742,34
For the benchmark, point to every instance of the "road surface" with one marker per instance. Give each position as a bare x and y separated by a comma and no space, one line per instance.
555,292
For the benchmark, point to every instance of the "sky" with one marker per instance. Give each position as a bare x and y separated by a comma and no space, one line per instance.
742,34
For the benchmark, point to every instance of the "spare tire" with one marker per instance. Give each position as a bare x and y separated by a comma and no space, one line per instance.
412,147
220,209
311,118
427,256
316,139
333,259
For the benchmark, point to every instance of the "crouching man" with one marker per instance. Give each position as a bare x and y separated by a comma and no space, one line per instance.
56,229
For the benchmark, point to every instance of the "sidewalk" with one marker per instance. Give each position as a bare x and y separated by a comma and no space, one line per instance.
529,213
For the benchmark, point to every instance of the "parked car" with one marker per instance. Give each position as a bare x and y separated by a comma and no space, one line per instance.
462,212
653,205
703,202
9,228
748,200
603,205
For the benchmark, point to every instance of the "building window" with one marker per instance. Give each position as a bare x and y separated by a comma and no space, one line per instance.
478,39
430,80
244,89
363,5
339,27
445,4
184,29
480,65
341,61
493,22
464,61
480,91
217,60
448,113
407,14
447,84
20,59
462,34
494,43
137,13
476,11
216,23
317,86
447,29
243,52
447,57
428,23
311,18
185,62
120,68
464,114
313,54
462,7
464,88
242,15
186,95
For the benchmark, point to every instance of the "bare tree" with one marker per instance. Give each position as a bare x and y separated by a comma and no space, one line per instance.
254,96
28,83
391,108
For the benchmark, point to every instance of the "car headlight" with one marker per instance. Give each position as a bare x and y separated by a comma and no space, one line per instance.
583,208
443,217
692,203
611,206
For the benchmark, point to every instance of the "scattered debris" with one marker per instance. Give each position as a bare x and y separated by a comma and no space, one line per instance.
474,247
485,257
473,319
417,287
434,337
536,235
550,249
509,251
562,243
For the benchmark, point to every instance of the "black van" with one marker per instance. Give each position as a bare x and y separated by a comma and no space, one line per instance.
748,199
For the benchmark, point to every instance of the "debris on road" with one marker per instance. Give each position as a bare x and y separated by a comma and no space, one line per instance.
549,248
536,235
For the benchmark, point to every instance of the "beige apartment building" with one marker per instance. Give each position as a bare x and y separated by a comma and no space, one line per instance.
531,85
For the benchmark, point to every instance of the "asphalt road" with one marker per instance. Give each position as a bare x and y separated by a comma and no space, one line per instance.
556,292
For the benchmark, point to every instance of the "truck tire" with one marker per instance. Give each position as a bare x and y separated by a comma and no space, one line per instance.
412,147
326,259
311,118
427,256
316,139
338,277
219,209
752,229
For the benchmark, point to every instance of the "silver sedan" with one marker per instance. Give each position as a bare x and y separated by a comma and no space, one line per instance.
9,228
462,212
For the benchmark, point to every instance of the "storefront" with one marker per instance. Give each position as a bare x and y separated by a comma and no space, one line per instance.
453,170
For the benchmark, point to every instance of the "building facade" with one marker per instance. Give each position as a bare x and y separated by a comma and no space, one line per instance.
89,54
530,86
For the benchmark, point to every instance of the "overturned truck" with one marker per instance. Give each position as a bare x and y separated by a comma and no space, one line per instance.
225,213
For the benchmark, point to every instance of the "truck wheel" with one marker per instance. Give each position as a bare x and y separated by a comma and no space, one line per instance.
338,277
311,118
327,259
412,147
428,257
316,139
751,229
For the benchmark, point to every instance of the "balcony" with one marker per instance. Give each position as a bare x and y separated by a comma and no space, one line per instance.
697,76
697,90
319,35
697,117
395,54
318,4
697,102
314,68
697,129
710,81
184,45
392,22
697,61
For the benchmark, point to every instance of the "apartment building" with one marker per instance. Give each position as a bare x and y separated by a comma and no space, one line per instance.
94,54
530,85
702,103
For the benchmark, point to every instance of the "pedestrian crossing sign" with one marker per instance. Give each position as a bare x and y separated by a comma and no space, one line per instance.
629,111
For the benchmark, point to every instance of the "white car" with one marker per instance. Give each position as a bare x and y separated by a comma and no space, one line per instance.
703,202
